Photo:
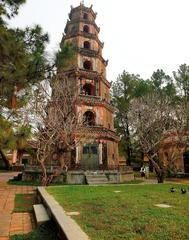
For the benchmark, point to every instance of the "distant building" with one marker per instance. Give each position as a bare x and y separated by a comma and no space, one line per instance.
175,151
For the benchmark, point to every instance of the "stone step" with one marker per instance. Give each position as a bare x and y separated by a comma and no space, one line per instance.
98,183
97,176
41,214
94,182
96,179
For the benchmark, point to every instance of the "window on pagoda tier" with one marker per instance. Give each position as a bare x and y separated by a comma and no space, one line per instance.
88,89
85,16
86,29
87,45
89,118
87,65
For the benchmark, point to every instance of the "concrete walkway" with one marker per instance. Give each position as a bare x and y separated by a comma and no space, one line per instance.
12,223
184,181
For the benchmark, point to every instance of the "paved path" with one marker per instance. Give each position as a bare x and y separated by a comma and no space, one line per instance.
12,223
184,181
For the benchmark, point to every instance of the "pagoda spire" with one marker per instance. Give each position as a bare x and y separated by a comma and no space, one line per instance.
82,2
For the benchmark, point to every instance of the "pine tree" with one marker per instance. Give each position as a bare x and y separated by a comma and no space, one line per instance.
22,65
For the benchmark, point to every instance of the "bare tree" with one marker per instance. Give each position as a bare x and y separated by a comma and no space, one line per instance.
152,117
58,120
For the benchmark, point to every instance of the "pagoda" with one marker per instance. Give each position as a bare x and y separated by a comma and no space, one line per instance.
100,151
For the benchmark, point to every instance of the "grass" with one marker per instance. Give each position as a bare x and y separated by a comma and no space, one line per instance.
135,181
129,214
24,202
22,183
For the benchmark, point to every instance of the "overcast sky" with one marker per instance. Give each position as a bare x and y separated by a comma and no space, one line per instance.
140,36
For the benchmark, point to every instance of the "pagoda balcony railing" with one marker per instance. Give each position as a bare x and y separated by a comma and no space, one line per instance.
98,130
88,52
88,35
94,74
92,53
92,100
81,33
89,74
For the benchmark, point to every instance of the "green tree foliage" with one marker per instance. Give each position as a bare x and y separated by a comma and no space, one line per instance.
182,81
125,89
182,84
163,84
9,8
129,87
65,57
22,64
22,61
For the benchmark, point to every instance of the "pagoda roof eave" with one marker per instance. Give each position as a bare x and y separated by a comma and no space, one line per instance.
69,22
82,7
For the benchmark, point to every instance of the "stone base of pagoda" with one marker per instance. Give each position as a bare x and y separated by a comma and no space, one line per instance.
78,176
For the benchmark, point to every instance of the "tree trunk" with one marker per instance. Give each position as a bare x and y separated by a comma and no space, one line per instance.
47,180
14,156
20,156
5,160
44,178
160,172
128,142
128,156
160,176
59,170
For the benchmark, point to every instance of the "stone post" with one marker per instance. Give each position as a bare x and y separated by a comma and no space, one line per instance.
100,153
14,156
77,154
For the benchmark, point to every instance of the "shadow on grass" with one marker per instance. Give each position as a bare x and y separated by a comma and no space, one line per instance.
46,231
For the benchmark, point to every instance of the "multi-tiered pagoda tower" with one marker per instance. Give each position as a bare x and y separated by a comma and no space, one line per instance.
100,151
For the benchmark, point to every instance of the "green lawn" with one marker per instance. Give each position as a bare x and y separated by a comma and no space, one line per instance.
129,214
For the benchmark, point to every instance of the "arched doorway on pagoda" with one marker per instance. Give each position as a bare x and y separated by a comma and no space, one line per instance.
87,65
89,118
186,161
88,89
86,29
87,45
